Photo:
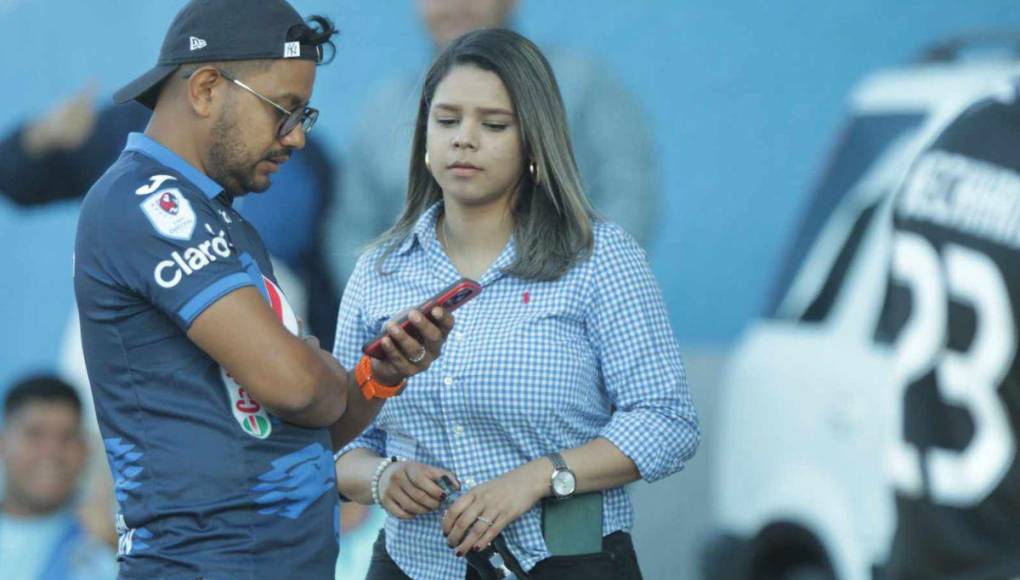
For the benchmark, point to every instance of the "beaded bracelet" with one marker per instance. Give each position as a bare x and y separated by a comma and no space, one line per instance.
377,475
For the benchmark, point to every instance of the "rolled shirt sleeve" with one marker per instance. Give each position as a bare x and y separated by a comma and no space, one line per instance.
654,422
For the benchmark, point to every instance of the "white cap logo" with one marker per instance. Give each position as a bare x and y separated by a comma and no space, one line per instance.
292,49
197,43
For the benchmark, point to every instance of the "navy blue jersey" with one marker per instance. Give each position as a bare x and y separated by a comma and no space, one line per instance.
209,483
952,312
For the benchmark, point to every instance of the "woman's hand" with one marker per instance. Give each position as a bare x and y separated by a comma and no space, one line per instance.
481,513
408,488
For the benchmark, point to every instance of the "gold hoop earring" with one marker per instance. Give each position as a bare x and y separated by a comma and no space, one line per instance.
533,170
428,165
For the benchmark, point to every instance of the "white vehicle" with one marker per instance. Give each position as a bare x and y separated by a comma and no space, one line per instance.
799,483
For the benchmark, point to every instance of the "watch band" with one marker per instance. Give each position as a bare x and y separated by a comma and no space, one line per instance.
559,464
560,469
370,388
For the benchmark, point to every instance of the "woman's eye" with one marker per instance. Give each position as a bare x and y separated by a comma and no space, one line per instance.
496,126
446,121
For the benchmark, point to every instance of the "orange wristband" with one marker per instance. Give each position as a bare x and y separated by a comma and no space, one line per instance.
370,388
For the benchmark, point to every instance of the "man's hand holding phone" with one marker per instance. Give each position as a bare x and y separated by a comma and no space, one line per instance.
410,342
406,356
377,378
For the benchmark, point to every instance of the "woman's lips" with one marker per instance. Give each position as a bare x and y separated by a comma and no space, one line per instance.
463,169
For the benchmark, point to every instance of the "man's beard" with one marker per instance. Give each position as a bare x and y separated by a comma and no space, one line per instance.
229,163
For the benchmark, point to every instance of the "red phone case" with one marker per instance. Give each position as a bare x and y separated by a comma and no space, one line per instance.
450,299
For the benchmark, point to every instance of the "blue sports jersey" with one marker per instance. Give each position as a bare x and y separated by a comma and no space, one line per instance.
209,483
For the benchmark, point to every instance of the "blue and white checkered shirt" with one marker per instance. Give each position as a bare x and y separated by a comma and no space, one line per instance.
530,368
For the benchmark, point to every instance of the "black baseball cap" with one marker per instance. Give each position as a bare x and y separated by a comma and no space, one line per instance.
221,30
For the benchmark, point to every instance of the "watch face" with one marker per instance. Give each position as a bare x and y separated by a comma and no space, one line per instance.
563,483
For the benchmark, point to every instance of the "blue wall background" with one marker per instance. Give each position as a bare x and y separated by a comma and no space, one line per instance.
744,98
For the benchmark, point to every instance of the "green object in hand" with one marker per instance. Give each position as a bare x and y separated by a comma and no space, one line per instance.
573,526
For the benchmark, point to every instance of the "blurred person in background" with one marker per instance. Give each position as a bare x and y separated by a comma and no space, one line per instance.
614,148
563,380
952,311
44,450
59,155
219,415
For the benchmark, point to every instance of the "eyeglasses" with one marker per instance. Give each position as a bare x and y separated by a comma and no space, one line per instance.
305,116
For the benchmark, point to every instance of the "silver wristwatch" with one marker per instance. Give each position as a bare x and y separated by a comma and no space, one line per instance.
563,482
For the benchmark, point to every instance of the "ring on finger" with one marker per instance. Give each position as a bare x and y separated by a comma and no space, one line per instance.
418,357
485,520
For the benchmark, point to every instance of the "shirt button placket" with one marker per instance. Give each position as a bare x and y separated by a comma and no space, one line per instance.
453,357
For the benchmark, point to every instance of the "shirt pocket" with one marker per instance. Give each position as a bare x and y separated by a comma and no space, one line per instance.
549,354
552,333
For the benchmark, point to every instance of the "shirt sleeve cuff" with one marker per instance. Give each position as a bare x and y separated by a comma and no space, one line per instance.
659,445
208,296
372,439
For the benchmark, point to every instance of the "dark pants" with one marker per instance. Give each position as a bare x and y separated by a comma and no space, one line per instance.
616,561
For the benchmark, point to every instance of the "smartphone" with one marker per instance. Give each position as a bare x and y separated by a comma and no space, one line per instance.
573,526
450,299
446,484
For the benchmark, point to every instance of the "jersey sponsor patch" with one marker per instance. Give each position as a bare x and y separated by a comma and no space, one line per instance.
170,213
169,273
278,302
249,413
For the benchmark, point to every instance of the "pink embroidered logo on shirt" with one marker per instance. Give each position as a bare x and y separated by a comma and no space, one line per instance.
527,297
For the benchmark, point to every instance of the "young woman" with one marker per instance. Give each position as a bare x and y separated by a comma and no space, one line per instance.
562,377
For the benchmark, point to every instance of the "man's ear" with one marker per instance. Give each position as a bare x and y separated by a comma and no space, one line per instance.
204,86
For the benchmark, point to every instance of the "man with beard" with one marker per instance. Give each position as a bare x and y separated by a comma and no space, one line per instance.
218,418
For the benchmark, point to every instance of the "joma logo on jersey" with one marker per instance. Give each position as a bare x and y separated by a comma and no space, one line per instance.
155,182
169,273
